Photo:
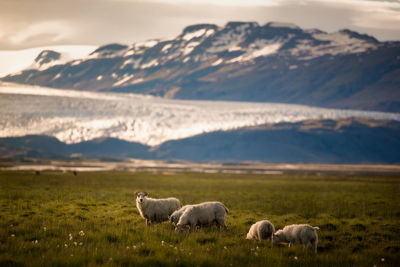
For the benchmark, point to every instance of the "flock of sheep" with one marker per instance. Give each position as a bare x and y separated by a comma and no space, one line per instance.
207,213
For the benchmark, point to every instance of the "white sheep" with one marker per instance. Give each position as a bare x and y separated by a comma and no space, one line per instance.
204,213
155,210
261,230
297,233
176,215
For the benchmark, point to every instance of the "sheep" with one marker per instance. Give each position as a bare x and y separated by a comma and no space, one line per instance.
203,214
297,233
176,215
155,210
261,230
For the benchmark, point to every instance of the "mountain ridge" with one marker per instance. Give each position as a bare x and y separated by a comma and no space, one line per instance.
241,61
313,141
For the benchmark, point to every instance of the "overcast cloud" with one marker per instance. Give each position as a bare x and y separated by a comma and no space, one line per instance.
30,23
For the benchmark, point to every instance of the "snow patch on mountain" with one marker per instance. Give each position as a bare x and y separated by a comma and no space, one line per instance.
335,43
75,116
260,48
196,34
124,79
152,63
229,39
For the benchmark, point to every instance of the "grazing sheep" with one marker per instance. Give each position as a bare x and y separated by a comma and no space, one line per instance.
297,233
261,230
176,215
155,210
204,213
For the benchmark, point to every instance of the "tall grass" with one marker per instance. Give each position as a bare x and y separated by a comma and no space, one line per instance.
58,219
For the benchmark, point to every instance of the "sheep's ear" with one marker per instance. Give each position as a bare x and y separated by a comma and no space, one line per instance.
145,193
136,193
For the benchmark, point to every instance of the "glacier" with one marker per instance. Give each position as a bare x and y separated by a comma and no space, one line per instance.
75,116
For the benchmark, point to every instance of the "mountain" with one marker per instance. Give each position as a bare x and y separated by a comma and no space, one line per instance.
315,141
242,61
310,141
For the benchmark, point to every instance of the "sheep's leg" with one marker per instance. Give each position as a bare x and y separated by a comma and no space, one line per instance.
221,224
148,222
314,244
305,245
290,244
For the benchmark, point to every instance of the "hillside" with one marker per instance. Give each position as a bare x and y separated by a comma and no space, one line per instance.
242,61
312,141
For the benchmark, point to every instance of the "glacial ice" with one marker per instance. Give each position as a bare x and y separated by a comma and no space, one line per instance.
75,116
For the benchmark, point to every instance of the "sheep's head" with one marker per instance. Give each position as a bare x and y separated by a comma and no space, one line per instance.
174,218
278,237
140,196
248,236
179,228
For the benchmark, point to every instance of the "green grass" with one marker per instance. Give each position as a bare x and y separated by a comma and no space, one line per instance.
359,217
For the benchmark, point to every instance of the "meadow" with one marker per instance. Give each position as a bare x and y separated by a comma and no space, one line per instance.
55,218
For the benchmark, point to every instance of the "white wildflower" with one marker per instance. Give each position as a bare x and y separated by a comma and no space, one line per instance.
45,228
80,243
382,259
12,235
81,233
70,236
162,242
127,247
66,245
295,257
75,243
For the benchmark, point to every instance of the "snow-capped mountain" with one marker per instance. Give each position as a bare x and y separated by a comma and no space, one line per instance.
243,61
76,116
15,61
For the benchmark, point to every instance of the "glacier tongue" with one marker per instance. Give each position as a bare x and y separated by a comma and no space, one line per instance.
74,116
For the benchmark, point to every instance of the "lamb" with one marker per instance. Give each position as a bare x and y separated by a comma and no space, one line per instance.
176,215
204,213
297,233
155,210
261,230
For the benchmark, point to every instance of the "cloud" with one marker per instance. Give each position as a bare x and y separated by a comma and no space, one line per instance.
369,14
53,31
242,3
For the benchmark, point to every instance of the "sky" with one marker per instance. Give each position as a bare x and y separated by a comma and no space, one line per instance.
35,23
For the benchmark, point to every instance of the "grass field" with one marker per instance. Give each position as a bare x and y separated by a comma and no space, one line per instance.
58,219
